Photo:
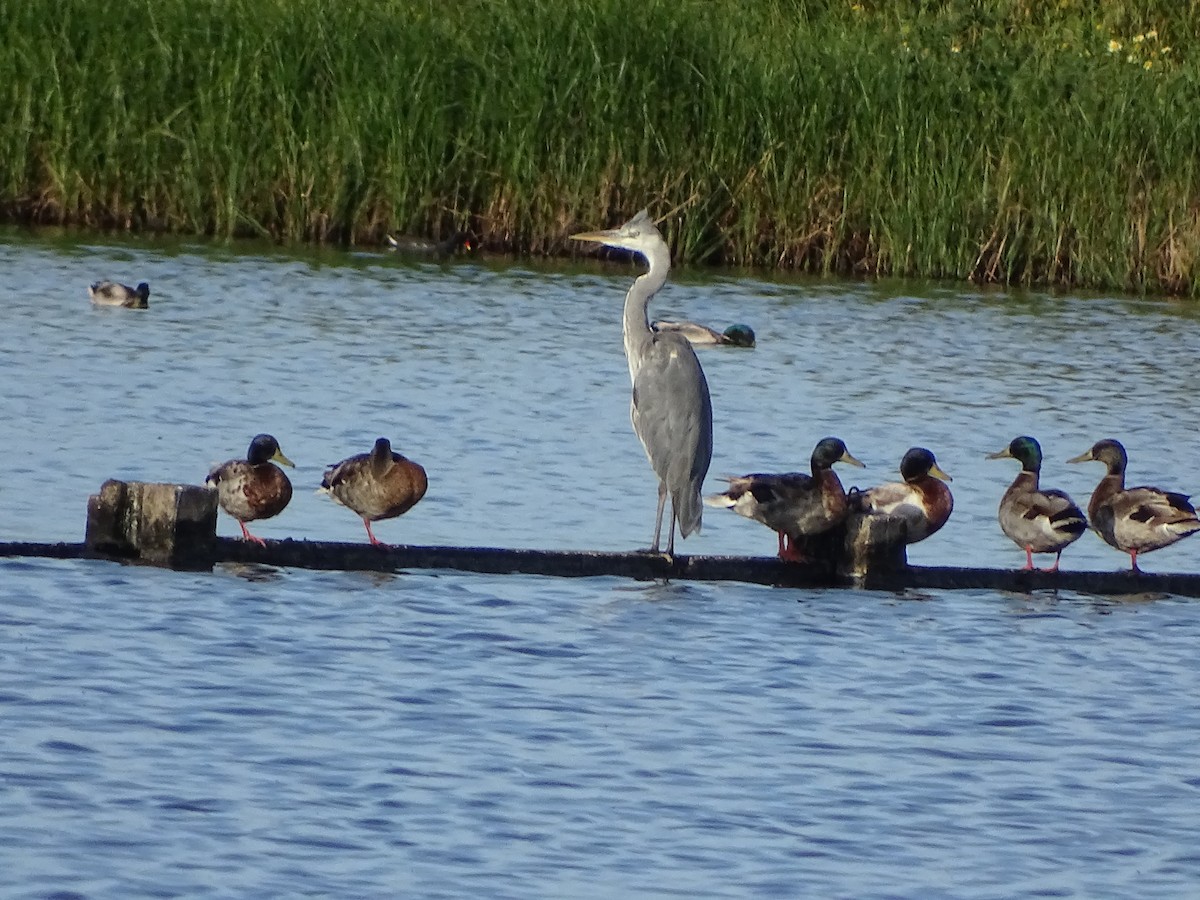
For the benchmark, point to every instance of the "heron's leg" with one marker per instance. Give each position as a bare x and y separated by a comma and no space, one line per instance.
671,533
662,499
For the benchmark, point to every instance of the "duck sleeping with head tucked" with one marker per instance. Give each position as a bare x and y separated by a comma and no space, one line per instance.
111,293
794,505
922,499
702,336
253,488
381,484
1038,521
1137,519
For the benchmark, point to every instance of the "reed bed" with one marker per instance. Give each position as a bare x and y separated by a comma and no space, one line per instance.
1013,141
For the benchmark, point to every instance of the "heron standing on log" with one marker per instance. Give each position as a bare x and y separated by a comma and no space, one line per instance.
671,409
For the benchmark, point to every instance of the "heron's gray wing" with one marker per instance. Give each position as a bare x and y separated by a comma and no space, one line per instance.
672,412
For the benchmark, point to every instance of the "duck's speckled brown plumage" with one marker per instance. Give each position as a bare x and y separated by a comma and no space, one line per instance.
253,488
1137,519
378,485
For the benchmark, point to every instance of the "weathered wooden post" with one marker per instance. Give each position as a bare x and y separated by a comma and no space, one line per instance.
873,547
171,525
863,548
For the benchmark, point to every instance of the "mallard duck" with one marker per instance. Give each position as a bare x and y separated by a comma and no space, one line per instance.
1038,521
110,293
922,499
253,488
1137,519
703,336
794,504
378,485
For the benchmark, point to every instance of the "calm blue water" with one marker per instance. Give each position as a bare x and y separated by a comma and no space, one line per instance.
258,733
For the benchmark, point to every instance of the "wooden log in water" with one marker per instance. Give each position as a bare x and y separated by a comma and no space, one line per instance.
175,525
644,566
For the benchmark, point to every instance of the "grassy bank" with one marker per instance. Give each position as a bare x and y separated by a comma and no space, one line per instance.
1010,141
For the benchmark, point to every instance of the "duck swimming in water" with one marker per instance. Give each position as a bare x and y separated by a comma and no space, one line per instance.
922,499
111,293
1137,519
703,336
1038,521
378,485
253,488
794,504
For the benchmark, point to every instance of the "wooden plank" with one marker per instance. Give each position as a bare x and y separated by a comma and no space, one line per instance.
325,555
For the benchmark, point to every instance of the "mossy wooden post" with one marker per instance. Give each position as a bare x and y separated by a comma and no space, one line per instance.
861,547
171,525
873,546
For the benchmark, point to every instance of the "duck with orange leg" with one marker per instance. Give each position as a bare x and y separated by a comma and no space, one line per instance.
793,505
1137,519
253,488
381,484
922,499
1037,520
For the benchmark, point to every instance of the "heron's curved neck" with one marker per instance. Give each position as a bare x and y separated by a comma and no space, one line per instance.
636,325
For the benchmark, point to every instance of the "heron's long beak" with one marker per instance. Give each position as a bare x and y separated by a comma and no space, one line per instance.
1000,454
1085,456
280,458
847,458
936,471
596,237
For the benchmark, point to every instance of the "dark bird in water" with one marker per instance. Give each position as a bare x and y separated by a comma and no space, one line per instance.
794,505
1137,519
1039,521
703,336
670,408
378,485
922,499
461,242
253,488
110,293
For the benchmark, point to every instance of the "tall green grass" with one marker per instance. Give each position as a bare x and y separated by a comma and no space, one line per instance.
1008,141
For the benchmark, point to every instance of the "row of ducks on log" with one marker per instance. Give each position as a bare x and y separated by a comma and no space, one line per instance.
113,293
1134,520
383,484
380,484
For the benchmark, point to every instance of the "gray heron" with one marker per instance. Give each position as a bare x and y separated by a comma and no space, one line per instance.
670,408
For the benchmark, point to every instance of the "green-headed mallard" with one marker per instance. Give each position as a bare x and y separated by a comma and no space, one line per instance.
110,293
1038,521
253,488
794,504
1137,519
703,336
921,499
378,485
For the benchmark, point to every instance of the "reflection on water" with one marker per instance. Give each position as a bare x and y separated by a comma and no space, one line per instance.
259,732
